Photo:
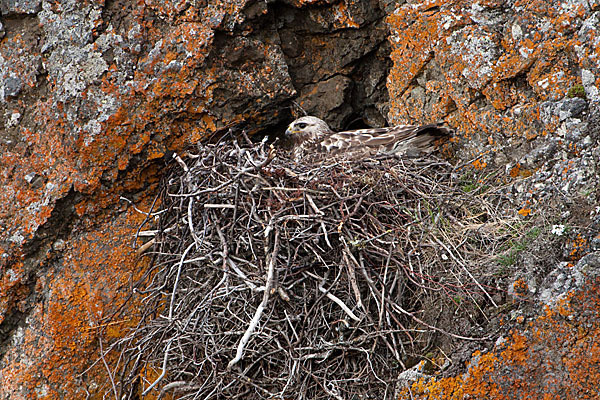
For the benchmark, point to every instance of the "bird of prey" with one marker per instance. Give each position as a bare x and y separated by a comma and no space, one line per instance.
312,139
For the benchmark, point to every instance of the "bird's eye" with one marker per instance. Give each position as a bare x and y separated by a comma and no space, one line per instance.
302,125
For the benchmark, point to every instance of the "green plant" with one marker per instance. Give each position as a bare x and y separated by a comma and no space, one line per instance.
533,233
470,182
467,182
514,246
576,91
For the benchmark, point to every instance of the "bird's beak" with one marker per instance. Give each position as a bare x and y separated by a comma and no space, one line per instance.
289,132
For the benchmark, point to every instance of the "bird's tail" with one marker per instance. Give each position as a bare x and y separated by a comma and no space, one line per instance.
428,138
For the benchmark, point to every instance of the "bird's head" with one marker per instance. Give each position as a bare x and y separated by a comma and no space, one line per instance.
307,128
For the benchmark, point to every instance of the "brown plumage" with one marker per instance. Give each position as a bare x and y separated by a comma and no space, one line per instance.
314,140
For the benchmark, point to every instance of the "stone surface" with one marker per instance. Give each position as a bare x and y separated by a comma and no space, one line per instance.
93,95
10,7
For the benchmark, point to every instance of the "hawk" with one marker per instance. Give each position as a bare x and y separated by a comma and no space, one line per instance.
312,139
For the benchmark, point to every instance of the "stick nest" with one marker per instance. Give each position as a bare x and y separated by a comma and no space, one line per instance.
273,279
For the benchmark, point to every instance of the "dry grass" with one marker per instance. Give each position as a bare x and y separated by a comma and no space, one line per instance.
277,280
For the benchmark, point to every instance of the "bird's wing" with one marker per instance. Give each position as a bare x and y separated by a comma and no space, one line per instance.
387,140
348,140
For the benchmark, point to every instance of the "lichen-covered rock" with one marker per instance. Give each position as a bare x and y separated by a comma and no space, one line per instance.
520,82
489,68
19,67
517,81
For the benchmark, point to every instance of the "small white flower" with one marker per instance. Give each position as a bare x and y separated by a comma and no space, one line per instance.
558,229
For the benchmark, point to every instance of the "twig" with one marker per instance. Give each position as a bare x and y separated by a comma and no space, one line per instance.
181,163
164,369
333,298
467,271
262,164
108,371
347,255
140,250
259,310
413,316
219,206
174,292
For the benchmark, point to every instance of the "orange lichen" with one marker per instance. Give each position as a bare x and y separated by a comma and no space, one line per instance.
479,165
343,17
519,171
515,171
520,287
525,211
579,247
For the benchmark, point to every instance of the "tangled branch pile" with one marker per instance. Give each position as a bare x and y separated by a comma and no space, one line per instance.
277,280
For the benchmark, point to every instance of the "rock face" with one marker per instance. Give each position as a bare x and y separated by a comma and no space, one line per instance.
517,79
94,94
